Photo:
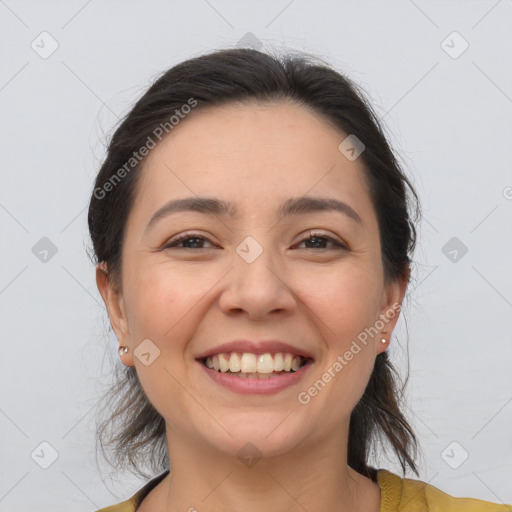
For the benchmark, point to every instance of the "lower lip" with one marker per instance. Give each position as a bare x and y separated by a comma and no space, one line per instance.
257,386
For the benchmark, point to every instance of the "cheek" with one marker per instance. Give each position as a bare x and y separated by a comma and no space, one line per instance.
160,307
162,300
346,305
346,300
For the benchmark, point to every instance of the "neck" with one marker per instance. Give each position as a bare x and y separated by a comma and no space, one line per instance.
314,477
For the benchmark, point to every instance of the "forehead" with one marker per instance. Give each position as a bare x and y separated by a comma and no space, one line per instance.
253,155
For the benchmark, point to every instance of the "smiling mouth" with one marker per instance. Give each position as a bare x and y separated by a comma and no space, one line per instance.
255,366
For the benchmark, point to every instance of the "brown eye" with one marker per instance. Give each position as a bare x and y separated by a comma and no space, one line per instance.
319,240
195,242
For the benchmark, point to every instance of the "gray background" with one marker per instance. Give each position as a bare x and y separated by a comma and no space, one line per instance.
448,115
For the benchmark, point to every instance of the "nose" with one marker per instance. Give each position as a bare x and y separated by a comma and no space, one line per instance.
257,289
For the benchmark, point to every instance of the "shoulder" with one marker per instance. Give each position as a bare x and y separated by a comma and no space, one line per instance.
131,504
126,506
409,495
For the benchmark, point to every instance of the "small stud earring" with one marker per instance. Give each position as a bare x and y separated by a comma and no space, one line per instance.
383,340
122,351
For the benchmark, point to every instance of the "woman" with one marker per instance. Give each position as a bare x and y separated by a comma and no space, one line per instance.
253,235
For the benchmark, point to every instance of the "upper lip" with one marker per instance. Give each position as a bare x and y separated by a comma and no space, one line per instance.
255,347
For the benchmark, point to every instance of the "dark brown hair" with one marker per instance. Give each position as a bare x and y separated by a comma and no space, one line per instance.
133,429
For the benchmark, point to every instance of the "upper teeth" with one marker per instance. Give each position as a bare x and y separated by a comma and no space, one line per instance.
254,363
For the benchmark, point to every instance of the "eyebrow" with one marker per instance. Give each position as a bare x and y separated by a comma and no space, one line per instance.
292,206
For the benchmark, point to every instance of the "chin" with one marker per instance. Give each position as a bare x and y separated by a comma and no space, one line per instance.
267,436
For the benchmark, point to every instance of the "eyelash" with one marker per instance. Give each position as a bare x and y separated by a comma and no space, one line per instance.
312,235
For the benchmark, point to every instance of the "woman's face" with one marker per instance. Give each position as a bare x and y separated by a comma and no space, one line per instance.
258,276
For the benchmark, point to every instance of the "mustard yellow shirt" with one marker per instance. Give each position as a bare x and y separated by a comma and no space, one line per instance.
397,495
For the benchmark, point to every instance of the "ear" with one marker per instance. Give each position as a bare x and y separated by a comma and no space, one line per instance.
391,305
116,309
